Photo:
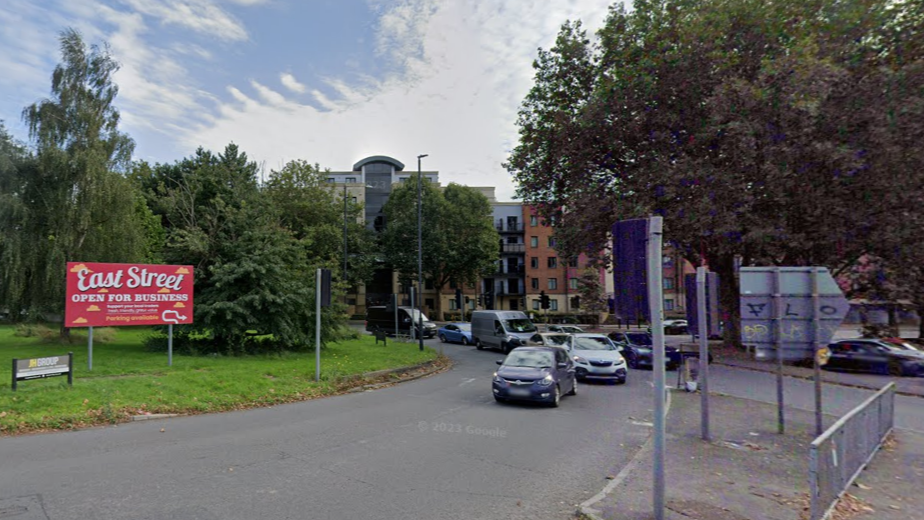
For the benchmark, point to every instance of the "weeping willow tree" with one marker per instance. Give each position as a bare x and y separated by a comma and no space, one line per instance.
70,201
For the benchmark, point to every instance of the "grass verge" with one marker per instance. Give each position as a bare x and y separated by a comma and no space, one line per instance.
126,380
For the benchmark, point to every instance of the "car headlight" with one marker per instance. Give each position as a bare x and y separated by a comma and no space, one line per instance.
498,379
620,362
513,340
546,381
579,359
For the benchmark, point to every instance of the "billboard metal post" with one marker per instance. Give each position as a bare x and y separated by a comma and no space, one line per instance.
70,369
14,373
703,365
655,303
170,345
90,349
395,298
317,328
778,344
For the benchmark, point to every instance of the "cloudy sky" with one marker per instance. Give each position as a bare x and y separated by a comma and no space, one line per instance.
328,81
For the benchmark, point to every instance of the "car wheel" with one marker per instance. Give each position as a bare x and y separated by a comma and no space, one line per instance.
621,382
478,344
633,363
464,341
500,399
556,397
442,338
573,388
506,348
896,369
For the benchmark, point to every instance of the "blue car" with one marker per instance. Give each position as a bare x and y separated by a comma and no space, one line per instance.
539,374
456,333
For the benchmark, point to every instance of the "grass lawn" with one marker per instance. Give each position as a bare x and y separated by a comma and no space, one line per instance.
126,380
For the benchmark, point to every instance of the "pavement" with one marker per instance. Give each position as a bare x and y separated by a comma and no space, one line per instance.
749,472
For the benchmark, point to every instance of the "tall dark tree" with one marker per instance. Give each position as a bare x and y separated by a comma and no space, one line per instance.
72,202
777,132
460,243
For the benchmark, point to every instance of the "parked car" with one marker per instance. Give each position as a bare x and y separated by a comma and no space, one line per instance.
382,318
540,374
879,356
637,350
549,339
503,330
568,329
673,327
455,333
596,357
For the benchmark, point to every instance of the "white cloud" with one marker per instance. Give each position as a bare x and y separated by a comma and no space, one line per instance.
202,16
291,83
461,71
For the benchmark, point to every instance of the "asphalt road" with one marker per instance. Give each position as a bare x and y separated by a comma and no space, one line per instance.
439,447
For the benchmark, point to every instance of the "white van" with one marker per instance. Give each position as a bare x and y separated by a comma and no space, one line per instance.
502,330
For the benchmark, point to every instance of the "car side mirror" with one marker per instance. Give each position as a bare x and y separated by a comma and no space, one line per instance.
563,365
500,361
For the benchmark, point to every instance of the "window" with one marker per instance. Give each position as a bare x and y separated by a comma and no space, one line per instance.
551,241
428,284
535,305
534,283
452,306
668,305
667,261
533,241
553,262
573,262
553,283
453,284
402,179
572,283
351,179
669,283
553,304
533,221
534,262
429,303
331,180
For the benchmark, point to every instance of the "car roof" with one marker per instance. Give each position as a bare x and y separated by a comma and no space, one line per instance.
536,349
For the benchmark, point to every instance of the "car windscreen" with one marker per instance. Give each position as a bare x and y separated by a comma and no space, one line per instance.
901,346
556,339
464,327
529,358
593,344
416,314
639,339
519,325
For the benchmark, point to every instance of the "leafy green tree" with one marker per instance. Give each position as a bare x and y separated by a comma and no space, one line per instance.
253,275
460,243
71,202
592,292
780,132
314,212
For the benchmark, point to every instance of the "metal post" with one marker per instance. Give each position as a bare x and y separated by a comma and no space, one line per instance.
14,373
170,345
395,298
344,240
90,350
703,351
419,254
816,329
656,307
778,344
70,369
317,328
410,329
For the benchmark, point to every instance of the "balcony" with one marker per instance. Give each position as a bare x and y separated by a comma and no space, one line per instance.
515,270
508,227
504,290
513,248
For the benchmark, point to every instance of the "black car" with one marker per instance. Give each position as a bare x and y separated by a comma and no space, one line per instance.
637,350
876,355
540,374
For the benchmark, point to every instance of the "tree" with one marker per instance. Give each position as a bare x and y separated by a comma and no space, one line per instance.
592,292
313,211
755,129
460,243
71,201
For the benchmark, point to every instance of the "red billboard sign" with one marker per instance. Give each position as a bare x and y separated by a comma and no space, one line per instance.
112,295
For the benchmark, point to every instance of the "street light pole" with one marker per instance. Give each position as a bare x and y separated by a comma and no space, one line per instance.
419,255
344,240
